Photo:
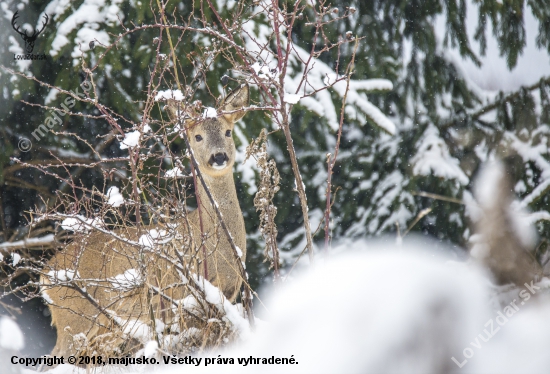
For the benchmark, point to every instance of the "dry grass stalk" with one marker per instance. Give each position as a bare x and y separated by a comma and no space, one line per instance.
263,201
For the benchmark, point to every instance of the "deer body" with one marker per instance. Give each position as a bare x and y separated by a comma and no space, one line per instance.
86,311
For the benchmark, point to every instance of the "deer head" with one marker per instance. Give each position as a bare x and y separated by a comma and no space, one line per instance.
29,39
212,138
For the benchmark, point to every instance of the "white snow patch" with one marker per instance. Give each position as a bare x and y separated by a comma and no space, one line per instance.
433,157
15,48
90,16
493,74
63,275
80,223
52,95
155,237
11,336
16,257
131,278
150,349
174,173
169,94
210,112
291,98
115,199
131,139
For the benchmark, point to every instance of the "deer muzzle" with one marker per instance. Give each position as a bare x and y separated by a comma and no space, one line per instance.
218,161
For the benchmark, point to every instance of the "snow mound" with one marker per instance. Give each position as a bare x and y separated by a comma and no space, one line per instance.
372,311
11,336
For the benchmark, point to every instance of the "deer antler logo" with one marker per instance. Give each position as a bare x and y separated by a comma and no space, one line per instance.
29,39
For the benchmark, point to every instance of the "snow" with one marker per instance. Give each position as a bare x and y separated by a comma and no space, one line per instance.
169,94
15,48
371,85
433,157
374,309
150,349
210,112
131,139
80,223
86,19
115,199
154,237
488,182
46,297
264,72
319,76
493,74
63,275
11,336
135,329
16,258
131,278
214,296
291,98
174,173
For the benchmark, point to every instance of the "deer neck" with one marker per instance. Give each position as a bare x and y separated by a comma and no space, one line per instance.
224,193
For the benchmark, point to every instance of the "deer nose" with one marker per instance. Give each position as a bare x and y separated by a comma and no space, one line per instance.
218,158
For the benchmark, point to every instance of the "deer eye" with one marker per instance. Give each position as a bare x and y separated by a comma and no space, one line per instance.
198,138
228,133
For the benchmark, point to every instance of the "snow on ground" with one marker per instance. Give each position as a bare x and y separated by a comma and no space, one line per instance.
370,311
11,336
370,308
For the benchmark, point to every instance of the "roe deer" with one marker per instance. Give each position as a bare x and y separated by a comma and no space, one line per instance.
96,285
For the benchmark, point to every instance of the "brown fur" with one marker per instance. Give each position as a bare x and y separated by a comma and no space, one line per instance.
101,256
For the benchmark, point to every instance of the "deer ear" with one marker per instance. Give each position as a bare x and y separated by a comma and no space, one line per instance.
177,111
237,100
